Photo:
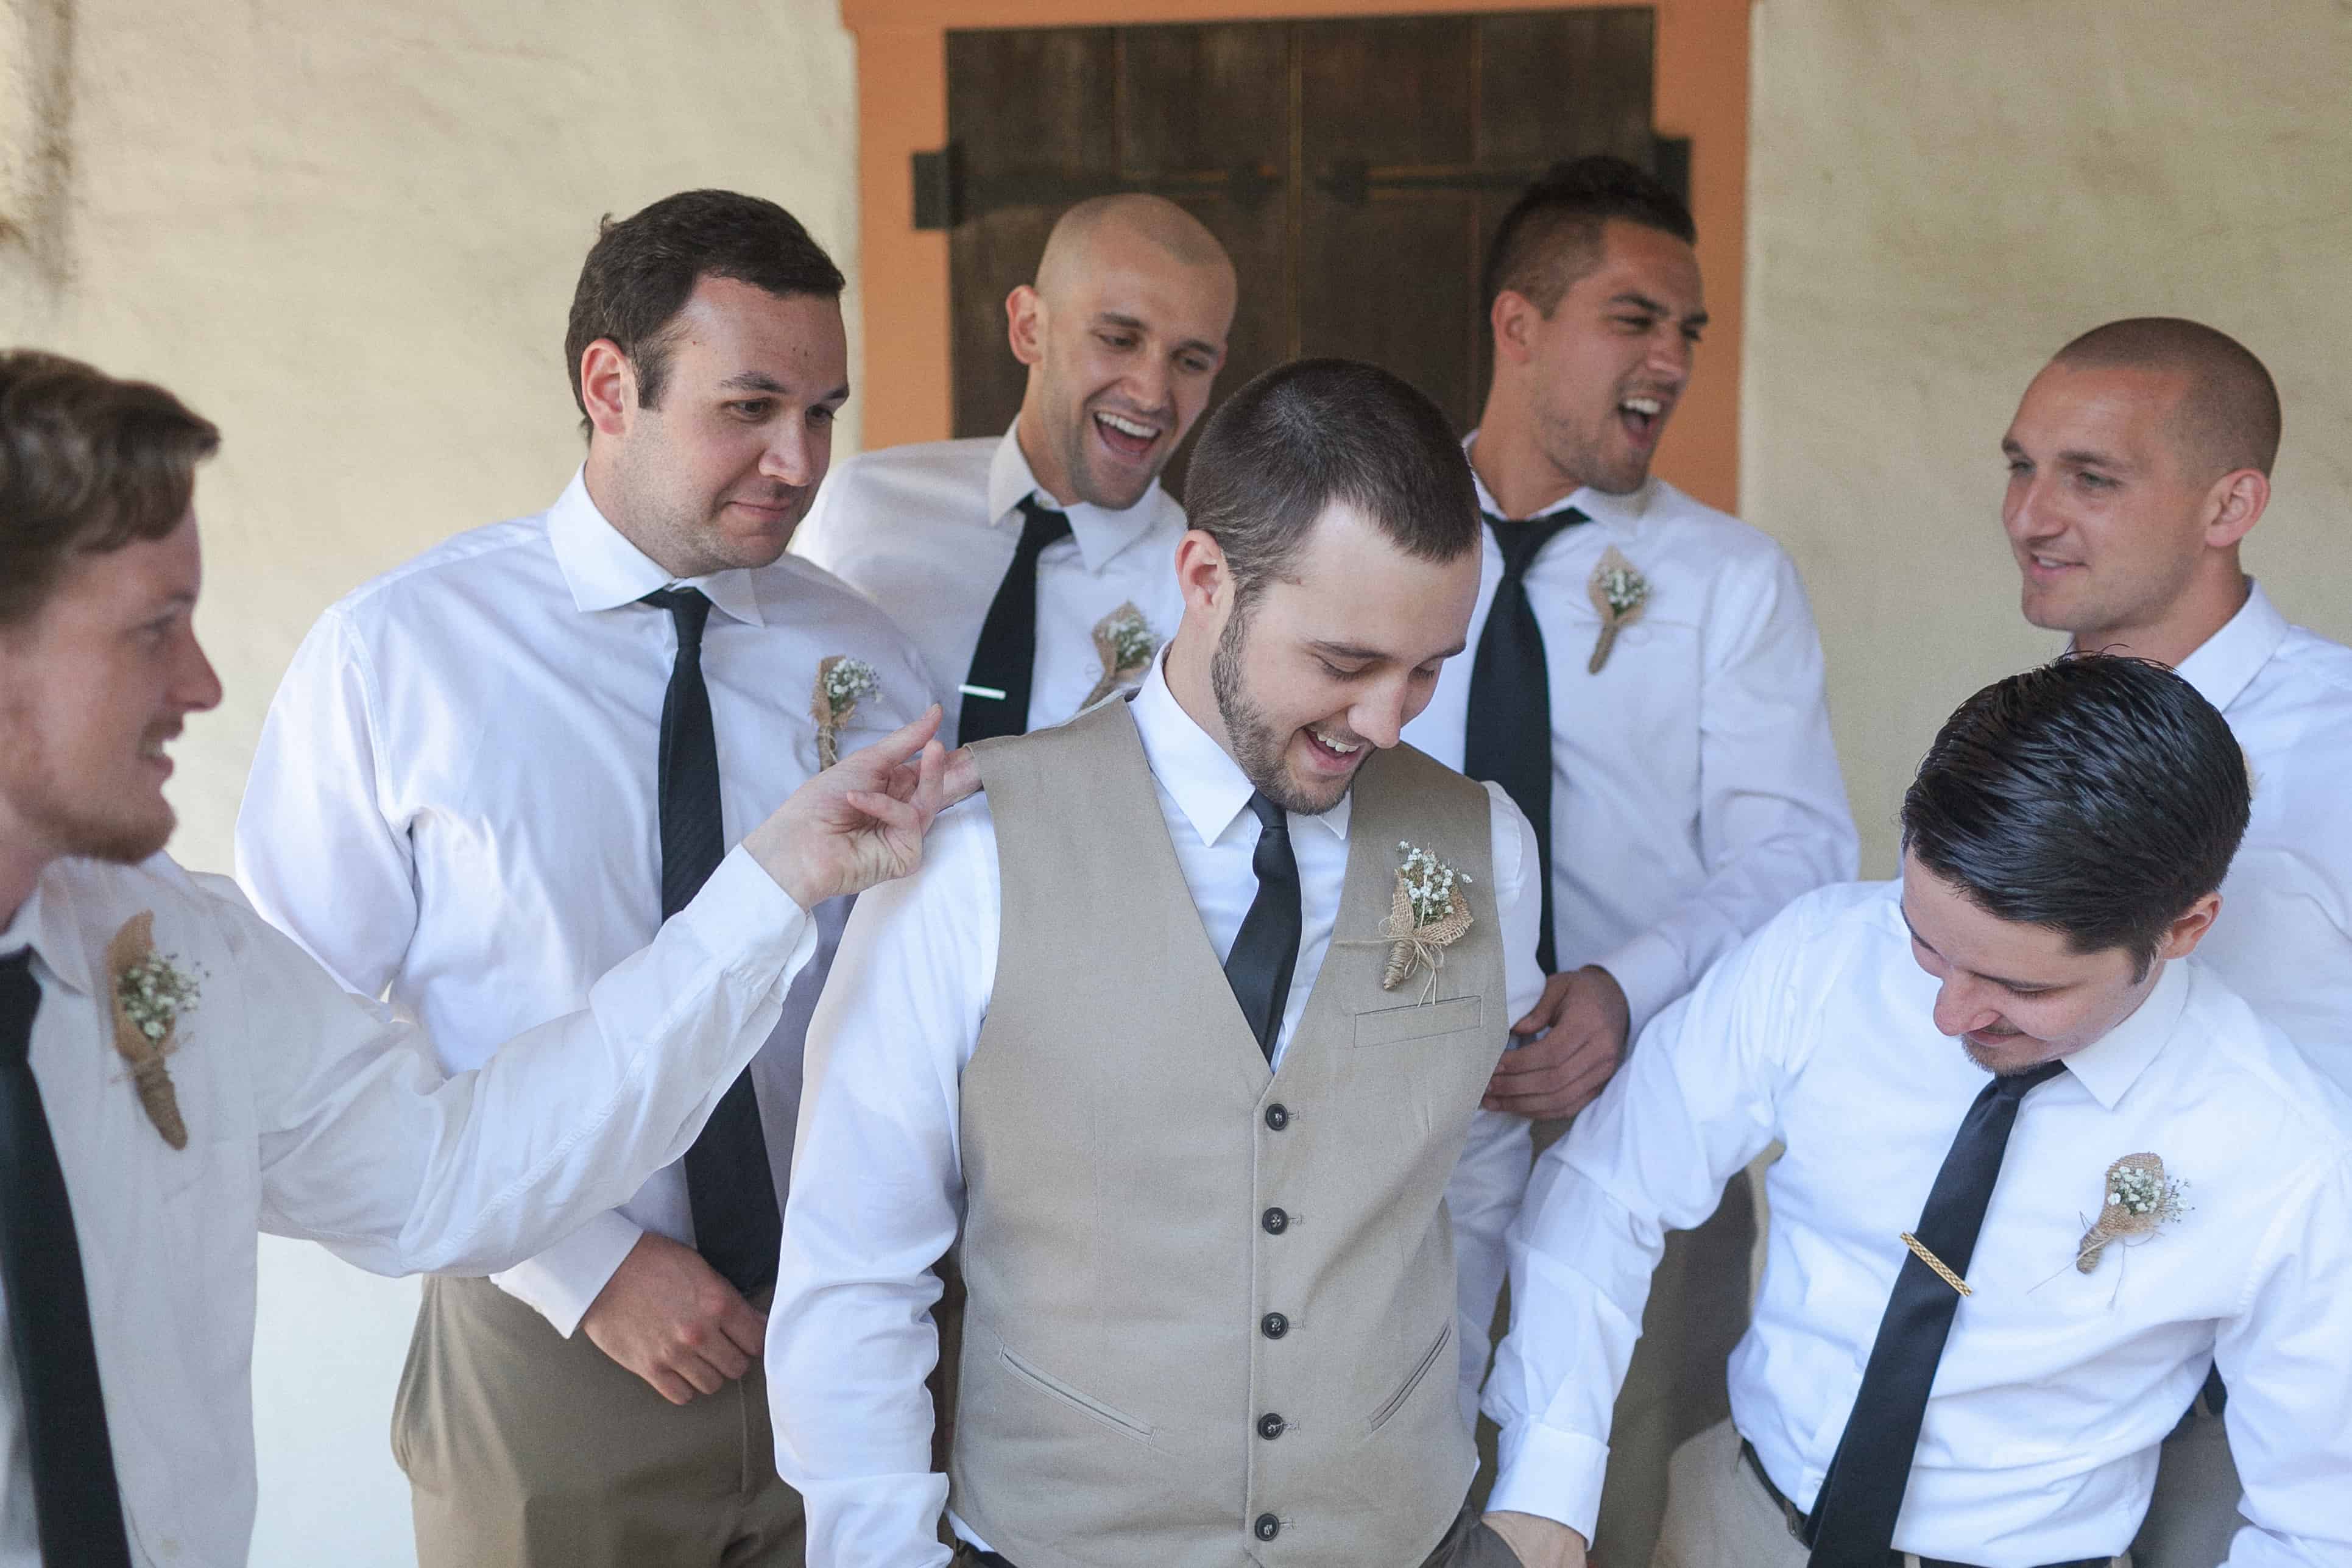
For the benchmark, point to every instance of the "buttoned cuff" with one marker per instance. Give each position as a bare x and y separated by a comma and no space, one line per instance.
1649,970
562,1283
743,911
1549,1473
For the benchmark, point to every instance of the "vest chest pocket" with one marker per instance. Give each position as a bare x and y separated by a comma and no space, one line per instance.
1421,1021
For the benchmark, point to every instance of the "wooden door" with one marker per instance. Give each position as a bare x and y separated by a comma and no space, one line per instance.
1355,169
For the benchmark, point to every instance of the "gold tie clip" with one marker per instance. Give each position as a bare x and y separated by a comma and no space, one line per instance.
1936,1263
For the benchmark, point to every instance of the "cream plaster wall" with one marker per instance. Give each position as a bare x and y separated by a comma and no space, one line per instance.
348,233
1941,193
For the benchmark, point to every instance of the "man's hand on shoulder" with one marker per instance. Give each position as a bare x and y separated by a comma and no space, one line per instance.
862,821
669,1317
1537,1541
1582,1019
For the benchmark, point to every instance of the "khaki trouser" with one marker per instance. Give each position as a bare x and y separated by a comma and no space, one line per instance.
1718,1514
2194,1510
1675,1385
525,1449
1468,1544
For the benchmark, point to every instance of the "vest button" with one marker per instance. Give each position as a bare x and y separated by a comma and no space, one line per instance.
1267,1527
1275,1221
1269,1427
1277,1117
1274,1325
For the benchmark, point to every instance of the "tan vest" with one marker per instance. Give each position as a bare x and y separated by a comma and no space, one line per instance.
1210,1309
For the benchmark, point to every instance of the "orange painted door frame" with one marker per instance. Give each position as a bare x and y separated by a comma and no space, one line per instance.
1701,93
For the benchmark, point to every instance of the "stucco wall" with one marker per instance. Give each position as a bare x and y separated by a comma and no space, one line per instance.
1939,196
348,233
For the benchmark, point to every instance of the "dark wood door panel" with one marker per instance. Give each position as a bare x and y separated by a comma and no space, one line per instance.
1355,169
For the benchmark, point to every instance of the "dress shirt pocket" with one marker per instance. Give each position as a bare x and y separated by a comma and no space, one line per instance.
1420,1020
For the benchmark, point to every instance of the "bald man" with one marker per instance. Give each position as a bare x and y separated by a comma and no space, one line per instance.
1033,570
2138,462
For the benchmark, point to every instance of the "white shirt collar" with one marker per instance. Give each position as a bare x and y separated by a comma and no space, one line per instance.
604,571
2224,662
1207,785
1102,534
2111,1064
45,923
1620,515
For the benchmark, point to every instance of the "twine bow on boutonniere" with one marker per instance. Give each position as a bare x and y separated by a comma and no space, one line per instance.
150,993
842,682
1125,643
1620,593
1427,914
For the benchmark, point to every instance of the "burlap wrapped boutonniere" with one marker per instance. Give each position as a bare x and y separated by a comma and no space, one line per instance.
1125,644
150,992
2141,1200
1620,593
1427,914
842,682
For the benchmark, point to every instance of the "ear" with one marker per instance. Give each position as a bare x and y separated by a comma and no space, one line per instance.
608,386
2233,506
1514,317
2190,930
1201,574
1025,324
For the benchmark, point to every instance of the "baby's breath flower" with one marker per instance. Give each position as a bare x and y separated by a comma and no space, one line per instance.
1626,590
849,680
155,992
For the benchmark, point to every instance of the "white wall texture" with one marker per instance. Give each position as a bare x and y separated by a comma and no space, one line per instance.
348,234
1939,196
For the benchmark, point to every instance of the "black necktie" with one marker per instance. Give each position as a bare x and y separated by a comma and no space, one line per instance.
75,1495
1854,1517
729,1187
1508,737
1006,655
1265,953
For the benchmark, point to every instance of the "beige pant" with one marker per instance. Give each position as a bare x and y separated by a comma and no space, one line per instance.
525,1449
2194,1511
1718,1514
1675,1385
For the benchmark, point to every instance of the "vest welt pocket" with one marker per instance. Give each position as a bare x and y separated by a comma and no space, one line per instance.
1419,1021
1054,1385
1429,1359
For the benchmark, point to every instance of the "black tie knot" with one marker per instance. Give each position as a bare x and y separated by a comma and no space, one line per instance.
1521,542
1041,525
20,996
689,611
2012,1086
1269,815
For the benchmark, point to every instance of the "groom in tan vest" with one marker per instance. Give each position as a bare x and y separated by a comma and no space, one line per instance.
1138,1046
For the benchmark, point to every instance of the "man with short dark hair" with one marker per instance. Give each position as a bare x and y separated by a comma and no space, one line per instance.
175,1075
1032,568
1182,1046
571,714
2139,460
1647,684
1995,1273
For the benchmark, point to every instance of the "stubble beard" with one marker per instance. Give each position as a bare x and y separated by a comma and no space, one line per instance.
53,812
1257,745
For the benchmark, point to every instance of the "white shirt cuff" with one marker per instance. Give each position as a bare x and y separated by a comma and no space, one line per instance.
562,1283
1649,971
1551,1474
743,913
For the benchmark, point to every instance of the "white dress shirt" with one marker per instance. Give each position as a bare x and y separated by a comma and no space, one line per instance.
1695,786
456,797
2056,1387
878,1195
2284,939
310,1112
927,531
